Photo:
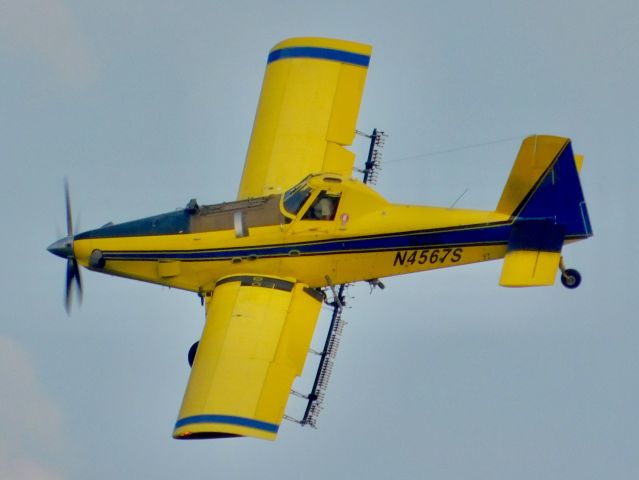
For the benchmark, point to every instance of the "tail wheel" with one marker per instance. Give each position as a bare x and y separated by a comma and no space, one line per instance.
570,278
192,352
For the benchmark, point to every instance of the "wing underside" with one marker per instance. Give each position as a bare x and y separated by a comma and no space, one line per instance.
257,335
307,112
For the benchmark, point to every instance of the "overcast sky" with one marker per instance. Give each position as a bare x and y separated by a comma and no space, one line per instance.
144,105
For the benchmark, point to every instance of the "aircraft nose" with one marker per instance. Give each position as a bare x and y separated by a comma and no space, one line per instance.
63,248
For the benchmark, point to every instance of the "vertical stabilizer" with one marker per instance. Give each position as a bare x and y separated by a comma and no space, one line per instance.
543,196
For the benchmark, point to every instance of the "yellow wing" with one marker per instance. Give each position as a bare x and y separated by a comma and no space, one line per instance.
307,112
257,335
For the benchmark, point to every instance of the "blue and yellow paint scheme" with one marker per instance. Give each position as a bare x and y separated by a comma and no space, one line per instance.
260,262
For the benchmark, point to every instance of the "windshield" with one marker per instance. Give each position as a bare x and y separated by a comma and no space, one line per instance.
295,198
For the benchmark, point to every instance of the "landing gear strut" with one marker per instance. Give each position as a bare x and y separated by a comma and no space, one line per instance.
570,278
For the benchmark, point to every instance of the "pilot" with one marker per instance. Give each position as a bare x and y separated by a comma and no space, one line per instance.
324,208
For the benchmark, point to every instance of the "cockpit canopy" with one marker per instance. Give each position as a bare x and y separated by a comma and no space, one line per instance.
317,197
322,192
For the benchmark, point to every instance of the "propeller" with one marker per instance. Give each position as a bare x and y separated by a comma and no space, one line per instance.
64,248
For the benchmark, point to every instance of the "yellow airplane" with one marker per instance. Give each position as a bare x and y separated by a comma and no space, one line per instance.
302,225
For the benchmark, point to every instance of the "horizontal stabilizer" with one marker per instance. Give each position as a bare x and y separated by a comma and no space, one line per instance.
534,251
526,268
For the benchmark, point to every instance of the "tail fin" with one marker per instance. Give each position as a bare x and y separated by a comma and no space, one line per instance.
543,196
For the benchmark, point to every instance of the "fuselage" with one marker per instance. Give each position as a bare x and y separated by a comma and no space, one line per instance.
364,237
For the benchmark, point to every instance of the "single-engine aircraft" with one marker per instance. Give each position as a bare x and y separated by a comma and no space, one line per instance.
301,224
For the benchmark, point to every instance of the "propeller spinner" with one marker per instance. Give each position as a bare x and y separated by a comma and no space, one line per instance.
64,248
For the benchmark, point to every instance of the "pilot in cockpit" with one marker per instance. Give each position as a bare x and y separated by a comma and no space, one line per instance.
324,208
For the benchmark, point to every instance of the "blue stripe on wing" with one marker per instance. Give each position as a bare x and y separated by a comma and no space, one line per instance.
229,420
319,53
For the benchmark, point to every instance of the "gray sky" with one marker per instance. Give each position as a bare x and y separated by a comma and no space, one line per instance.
442,375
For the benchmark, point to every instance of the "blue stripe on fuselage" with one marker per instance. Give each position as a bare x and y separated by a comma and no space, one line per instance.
483,235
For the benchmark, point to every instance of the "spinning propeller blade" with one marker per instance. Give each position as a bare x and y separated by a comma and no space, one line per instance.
73,277
67,198
64,248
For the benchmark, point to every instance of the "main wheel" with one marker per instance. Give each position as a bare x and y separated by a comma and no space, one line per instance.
192,352
571,278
